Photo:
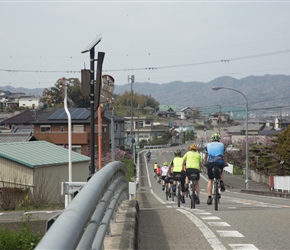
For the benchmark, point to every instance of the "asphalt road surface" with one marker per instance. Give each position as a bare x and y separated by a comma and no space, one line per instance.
243,221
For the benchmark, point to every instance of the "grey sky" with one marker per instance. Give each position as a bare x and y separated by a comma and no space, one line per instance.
191,38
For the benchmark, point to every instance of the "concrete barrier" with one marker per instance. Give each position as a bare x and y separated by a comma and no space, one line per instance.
124,227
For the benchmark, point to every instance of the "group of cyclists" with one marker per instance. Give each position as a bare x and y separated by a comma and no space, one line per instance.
191,162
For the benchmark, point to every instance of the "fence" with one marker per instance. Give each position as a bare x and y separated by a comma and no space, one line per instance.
282,183
84,223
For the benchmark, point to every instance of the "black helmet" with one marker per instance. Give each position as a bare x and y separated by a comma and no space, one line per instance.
177,152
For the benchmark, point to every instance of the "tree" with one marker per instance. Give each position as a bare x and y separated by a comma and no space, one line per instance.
138,100
54,97
283,150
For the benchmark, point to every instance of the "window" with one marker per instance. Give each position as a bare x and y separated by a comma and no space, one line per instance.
116,126
78,128
45,128
76,149
62,129
104,129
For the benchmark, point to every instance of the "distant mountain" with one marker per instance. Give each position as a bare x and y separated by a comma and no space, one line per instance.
270,91
261,91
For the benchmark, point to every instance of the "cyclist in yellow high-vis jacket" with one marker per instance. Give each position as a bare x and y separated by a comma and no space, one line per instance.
192,162
175,167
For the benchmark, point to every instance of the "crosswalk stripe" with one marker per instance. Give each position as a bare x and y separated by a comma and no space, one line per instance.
219,224
243,247
230,234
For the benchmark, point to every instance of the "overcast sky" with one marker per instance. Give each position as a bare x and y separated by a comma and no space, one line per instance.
42,41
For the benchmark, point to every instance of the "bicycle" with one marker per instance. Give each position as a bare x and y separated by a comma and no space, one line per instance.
216,187
192,195
177,178
168,191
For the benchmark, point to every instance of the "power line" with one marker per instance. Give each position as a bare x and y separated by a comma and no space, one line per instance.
154,68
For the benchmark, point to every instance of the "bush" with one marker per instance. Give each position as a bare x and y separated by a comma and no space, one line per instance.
21,238
131,168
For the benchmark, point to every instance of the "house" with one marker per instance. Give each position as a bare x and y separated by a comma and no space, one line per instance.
30,102
166,110
41,167
188,113
25,118
53,126
143,129
218,118
16,137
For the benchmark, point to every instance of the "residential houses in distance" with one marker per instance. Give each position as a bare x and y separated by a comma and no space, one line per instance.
10,100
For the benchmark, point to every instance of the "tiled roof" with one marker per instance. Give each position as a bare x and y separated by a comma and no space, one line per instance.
16,137
38,153
26,117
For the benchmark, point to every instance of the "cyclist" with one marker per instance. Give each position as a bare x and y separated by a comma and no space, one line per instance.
155,166
192,163
215,154
158,174
164,170
148,155
175,167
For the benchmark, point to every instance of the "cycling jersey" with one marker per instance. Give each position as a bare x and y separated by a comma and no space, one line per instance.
164,170
177,164
155,166
193,160
159,171
215,151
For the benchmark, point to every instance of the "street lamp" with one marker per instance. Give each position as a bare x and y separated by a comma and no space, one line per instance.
247,143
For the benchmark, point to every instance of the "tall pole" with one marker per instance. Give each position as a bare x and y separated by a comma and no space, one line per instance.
112,136
92,111
91,48
247,141
132,78
219,119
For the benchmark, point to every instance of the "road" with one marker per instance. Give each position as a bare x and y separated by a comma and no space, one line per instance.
244,221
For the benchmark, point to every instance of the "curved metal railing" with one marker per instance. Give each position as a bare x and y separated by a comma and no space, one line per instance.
84,223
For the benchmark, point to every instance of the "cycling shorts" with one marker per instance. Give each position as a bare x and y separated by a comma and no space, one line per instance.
182,180
193,170
210,166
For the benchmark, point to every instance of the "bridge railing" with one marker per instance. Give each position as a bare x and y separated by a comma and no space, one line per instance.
84,223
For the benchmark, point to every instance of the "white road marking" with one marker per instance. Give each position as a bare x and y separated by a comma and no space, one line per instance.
230,234
243,246
210,218
219,224
207,233
149,183
204,213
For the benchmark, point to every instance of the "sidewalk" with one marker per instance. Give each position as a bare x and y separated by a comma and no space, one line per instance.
238,182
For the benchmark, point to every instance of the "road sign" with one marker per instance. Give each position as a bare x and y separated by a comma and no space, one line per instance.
170,124
133,141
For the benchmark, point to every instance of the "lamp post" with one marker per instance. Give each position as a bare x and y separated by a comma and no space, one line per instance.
247,143
132,78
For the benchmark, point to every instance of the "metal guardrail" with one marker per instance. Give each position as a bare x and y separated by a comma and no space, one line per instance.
84,223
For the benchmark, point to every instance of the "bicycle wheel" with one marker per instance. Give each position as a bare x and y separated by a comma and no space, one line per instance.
192,197
166,192
178,195
216,198
172,195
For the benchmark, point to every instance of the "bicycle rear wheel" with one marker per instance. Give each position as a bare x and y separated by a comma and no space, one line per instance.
178,196
192,197
216,196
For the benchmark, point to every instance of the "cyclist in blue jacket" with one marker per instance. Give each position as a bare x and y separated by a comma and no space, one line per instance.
215,154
